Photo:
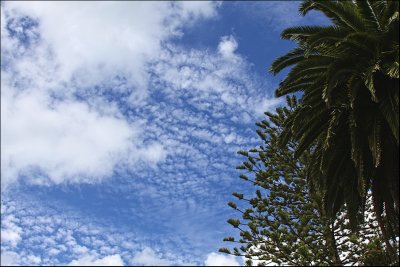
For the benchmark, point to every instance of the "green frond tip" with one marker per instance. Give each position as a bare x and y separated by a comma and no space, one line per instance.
234,222
224,250
244,153
241,167
232,205
306,6
261,134
393,70
244,177
236,252
248,166
261,125
298,33
269,114
238,195
229,239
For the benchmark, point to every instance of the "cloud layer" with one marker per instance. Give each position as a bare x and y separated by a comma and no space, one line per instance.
102,105
96,41
47,131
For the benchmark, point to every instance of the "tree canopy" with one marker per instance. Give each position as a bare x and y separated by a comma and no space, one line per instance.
285,222
333,149
348,75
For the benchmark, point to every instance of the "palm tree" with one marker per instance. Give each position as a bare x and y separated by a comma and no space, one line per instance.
348,75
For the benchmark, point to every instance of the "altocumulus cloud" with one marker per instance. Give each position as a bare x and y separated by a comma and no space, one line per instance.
101,91
84,243
46,131
96,41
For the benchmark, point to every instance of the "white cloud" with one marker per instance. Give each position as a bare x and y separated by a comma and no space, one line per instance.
147,257
212,82
54,238
98,40
10,236
9,258
10,231
227,47
35,260
84,141
214,259
153,153
229,138
90,260
65,139
67,142
204,112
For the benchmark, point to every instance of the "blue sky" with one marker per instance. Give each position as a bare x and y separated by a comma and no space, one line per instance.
120,124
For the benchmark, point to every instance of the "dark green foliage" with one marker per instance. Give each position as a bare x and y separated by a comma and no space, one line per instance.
348,116
284,222
235,223
375,255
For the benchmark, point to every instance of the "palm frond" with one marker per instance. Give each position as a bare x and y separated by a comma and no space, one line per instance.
390,14
300,33
374,140
368,14
290,58
309,137
345,17
389,107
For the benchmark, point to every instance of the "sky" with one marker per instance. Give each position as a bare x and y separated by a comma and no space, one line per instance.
120,123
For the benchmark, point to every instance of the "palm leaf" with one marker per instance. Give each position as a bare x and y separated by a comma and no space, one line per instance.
309,137
389,107
374,139
292,57
301,33
368,14
345,17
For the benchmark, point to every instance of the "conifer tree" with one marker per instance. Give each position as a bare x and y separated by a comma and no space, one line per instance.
286,223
